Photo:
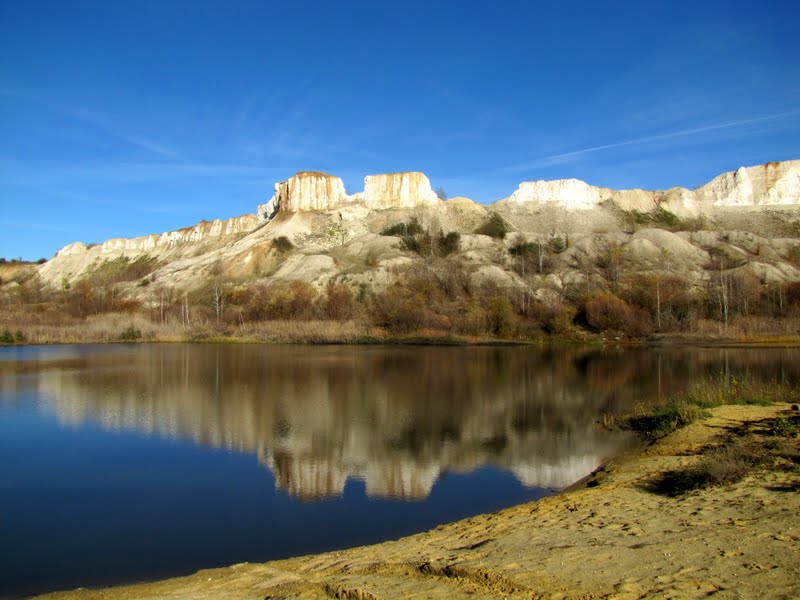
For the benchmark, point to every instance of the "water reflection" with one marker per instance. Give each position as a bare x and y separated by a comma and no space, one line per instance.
396,418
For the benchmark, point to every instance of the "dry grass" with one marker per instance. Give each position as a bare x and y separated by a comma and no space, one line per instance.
693,403
772,444
747,328
108,327
721,466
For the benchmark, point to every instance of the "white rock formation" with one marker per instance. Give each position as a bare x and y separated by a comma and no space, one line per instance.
568,193
77,257
397,190
768,184
307,195
761,185
308,190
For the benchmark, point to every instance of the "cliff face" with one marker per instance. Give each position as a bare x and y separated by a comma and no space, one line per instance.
572,194
310,191
77,257
762,185
305,197
768,184
397,190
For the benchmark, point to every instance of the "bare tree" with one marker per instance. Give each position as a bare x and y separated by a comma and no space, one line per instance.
218,298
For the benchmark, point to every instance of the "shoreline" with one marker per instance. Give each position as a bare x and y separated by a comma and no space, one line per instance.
665,341
607,536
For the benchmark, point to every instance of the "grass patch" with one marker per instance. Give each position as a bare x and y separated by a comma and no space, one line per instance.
786,426
131,334
692,404
666,418
721,390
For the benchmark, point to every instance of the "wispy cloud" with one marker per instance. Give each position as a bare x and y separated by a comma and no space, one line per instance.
106,123
105,173
32,226
574,155
112,127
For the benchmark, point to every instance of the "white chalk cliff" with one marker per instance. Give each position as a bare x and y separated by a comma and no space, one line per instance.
762,185
309,194
311,190
770,184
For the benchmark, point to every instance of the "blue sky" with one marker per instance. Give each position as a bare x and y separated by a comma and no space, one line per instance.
121,118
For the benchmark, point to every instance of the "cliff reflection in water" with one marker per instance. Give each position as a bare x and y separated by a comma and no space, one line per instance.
396,418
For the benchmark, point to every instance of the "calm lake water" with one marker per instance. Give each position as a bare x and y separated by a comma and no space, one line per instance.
124,463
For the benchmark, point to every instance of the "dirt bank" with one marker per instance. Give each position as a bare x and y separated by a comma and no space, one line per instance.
612,538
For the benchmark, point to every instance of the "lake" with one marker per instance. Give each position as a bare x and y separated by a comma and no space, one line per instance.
124,463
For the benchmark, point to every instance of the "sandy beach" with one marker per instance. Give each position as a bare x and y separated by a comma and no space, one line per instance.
612,536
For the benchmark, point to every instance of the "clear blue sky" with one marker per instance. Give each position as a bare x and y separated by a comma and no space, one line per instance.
121,118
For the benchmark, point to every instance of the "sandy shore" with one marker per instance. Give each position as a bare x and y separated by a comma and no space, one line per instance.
609,538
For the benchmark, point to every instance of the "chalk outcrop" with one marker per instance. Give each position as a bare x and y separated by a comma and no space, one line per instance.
76,258
771,184
571,194
305,191
775,183
397,190
312,191
320,215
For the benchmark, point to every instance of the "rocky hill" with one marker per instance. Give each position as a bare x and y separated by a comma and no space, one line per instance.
752,216
553,257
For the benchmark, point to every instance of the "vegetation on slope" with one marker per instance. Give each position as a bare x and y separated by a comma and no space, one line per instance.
495,285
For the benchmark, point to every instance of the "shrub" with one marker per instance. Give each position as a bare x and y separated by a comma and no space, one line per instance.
19,337
495,226
788,426
131,334
293,301
557,244
721,466
531,256
449,244
664,419
607,312
402,229
401,310
501,316
6,337
553,319
524,249
793,293
283,244
339,303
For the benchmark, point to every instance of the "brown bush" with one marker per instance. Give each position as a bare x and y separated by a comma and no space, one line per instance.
793,293
398,309
552,318
403,310
665,298
500,316
607,312
293,301
339,301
